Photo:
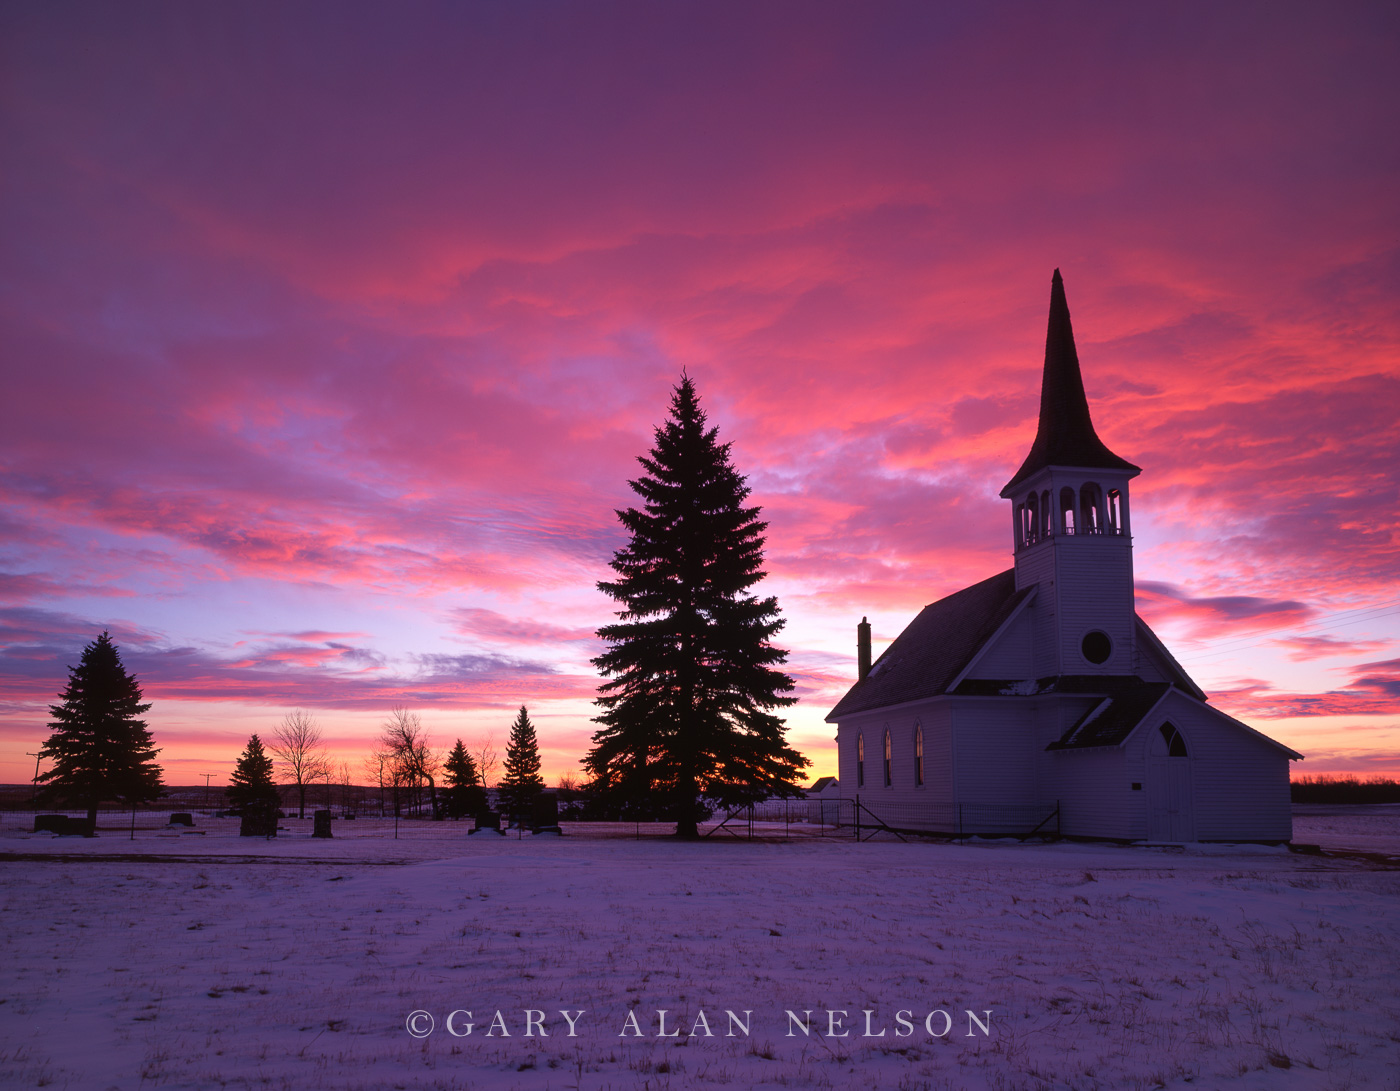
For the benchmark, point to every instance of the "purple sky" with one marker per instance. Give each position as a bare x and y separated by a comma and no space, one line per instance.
331,334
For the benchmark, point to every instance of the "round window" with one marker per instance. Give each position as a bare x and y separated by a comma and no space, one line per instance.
1096,647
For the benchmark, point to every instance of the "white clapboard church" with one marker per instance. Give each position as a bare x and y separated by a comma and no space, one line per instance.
1038,699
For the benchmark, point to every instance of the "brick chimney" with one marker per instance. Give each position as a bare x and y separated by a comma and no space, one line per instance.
863,649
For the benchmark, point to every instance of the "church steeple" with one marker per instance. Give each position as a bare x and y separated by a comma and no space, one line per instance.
1070,523
1065,435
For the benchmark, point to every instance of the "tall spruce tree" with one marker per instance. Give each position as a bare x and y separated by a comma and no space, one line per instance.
100,746
522,782
465,795
251,783
688,708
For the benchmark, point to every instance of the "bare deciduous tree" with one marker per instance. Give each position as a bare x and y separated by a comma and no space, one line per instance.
378,765
487,761
296,743
411,759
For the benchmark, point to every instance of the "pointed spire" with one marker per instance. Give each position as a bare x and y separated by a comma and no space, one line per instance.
1065,435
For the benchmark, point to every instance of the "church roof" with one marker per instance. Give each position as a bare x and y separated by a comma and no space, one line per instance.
1065,435
1112,720
935,647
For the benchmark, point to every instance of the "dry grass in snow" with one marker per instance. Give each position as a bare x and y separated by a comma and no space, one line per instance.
1103,967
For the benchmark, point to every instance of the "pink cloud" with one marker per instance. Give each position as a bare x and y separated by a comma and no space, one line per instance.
1218,614
396,332
498,627
1374,689
1304,648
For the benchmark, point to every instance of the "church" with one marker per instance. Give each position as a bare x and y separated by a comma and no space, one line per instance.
1038,700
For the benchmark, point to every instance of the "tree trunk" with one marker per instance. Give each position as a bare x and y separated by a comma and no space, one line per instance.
91,819
301,803
687,824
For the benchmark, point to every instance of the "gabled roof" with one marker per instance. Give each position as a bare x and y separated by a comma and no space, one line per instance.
821,784
1126,704
1065,435
1112,720
1166,661
931,653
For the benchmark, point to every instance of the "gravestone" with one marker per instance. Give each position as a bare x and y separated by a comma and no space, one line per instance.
63,824
258,820
544,816
321,824
488,820
182,818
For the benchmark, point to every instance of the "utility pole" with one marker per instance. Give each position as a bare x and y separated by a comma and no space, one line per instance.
34,801
207,777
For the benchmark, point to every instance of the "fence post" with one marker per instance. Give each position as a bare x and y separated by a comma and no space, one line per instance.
857,816
133,821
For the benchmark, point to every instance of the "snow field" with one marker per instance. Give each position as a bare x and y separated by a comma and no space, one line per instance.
1103,967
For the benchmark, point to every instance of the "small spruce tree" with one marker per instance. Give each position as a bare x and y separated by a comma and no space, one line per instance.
465,796
100,746
522,782
251,783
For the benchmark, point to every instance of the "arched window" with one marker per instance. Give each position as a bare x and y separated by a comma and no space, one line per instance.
1115,512
888,781
1046,522
1176,745
1067,510
1090,509
1020,525
918,754
1032,519
860,760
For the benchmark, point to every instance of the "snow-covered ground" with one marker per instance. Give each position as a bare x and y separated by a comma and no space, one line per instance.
188,961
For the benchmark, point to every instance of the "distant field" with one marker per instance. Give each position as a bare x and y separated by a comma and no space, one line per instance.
199,961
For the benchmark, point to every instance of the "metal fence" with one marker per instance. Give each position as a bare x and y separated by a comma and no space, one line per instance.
780,819
871,814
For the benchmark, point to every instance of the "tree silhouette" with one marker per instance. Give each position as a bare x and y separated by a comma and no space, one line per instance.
251,782
522,782
410,758
465,795
691,664
297,744
100,746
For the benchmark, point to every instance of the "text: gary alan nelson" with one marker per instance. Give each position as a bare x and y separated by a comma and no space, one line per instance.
536,1023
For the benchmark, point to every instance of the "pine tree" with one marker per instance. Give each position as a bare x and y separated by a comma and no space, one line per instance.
465,796
691,664
522,782
101,748
251,783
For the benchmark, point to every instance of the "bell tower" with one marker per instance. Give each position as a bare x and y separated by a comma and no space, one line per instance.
1071,527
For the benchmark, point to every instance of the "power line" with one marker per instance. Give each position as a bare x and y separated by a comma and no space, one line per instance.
1368,613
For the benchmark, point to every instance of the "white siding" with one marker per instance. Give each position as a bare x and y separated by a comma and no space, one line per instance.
1239,781
903,804
997,746
1095,793
1094,590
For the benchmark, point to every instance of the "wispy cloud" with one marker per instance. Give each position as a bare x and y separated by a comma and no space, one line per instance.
307,338
1214,615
